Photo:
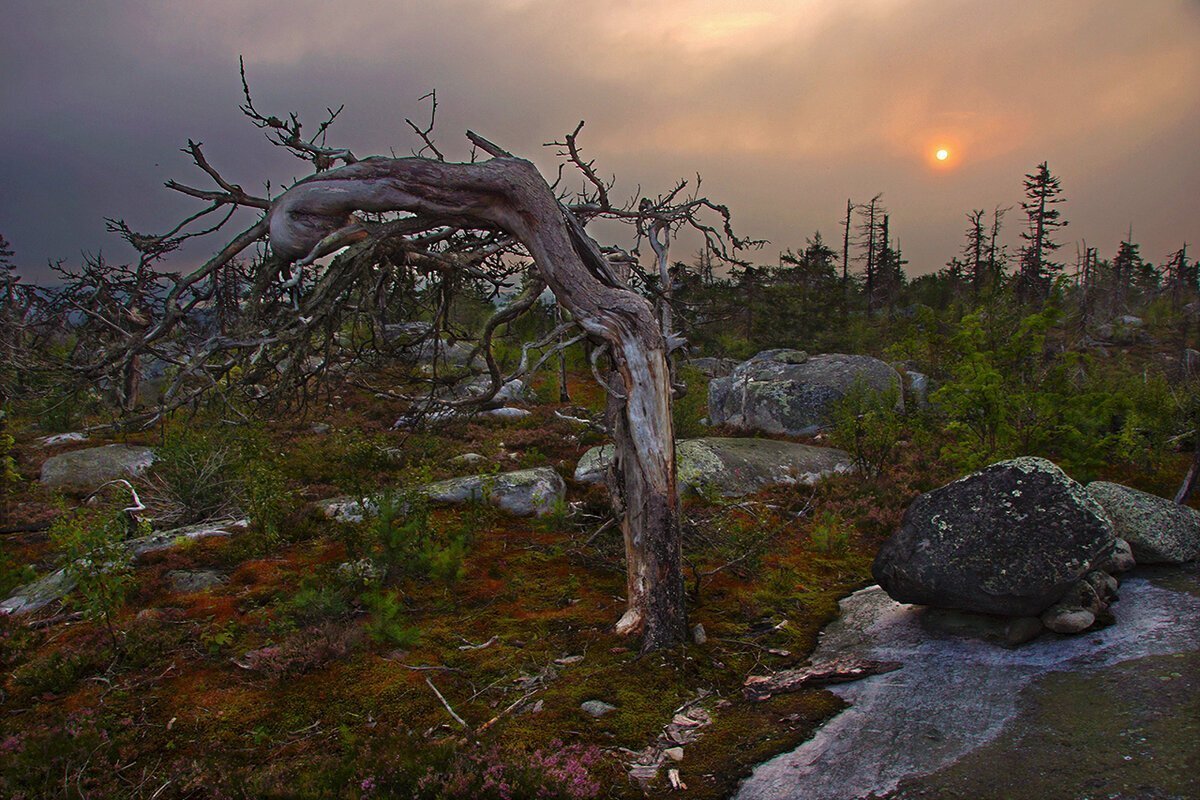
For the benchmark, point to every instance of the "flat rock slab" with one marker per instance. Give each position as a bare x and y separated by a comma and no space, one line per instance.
959,697
86,470
58,584
733,467
1158,530
186,581
523,493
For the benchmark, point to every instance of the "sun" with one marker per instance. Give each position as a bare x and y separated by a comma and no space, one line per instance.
942,154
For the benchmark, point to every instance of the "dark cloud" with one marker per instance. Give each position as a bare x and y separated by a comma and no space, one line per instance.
786,108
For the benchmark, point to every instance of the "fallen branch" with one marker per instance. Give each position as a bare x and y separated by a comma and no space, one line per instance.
57,618
457,718
520,700
33,527
841,670
488,643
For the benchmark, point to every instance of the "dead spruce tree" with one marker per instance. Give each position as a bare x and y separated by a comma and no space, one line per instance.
471,219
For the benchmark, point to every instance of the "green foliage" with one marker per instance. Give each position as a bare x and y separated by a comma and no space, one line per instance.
195,477
387,622
10,477
216,638
92,544
867,425
315,603
830,533
693,406
409,544
57,672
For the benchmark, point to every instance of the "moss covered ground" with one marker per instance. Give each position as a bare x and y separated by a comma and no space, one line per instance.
281,681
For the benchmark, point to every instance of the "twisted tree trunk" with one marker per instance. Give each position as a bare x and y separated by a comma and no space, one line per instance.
509,193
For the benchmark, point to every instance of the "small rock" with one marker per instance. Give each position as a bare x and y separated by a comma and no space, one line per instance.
1022,630
1105,585
507,412
643,772
698,634
320,428
1068,620
597,708
1120,558
188,581
467,458
674,753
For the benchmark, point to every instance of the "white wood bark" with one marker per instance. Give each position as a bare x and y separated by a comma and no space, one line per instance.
509,193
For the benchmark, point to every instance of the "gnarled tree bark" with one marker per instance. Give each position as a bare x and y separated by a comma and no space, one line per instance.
509,193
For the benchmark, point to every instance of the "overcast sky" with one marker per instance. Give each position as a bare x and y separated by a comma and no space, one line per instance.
785,107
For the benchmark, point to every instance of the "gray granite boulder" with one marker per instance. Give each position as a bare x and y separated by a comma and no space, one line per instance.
733,467
87,470
524,493
1158,530
790,392
1010,539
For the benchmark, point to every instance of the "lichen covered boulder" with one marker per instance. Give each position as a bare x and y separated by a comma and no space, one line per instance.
87,470
789,392
1010,539
733,467
1158,530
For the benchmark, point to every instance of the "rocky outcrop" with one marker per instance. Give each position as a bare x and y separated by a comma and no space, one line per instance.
1158,530
1010,539
58,584
524,493
790,392
733,467
86,470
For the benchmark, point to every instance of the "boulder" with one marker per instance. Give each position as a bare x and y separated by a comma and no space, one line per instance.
1010,539
1158,530
86,470
733,467
524,493
711,367
789,392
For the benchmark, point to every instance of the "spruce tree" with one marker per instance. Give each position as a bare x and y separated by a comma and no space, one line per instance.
1036,272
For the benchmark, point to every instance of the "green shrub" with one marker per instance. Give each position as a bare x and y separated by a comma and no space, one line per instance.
92,544
868,426
313,604
195,478
386,624
829,534
410,547
692,407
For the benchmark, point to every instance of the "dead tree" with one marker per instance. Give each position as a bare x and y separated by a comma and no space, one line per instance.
456,219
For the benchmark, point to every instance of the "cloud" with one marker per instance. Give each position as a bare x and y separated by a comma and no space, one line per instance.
785,107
